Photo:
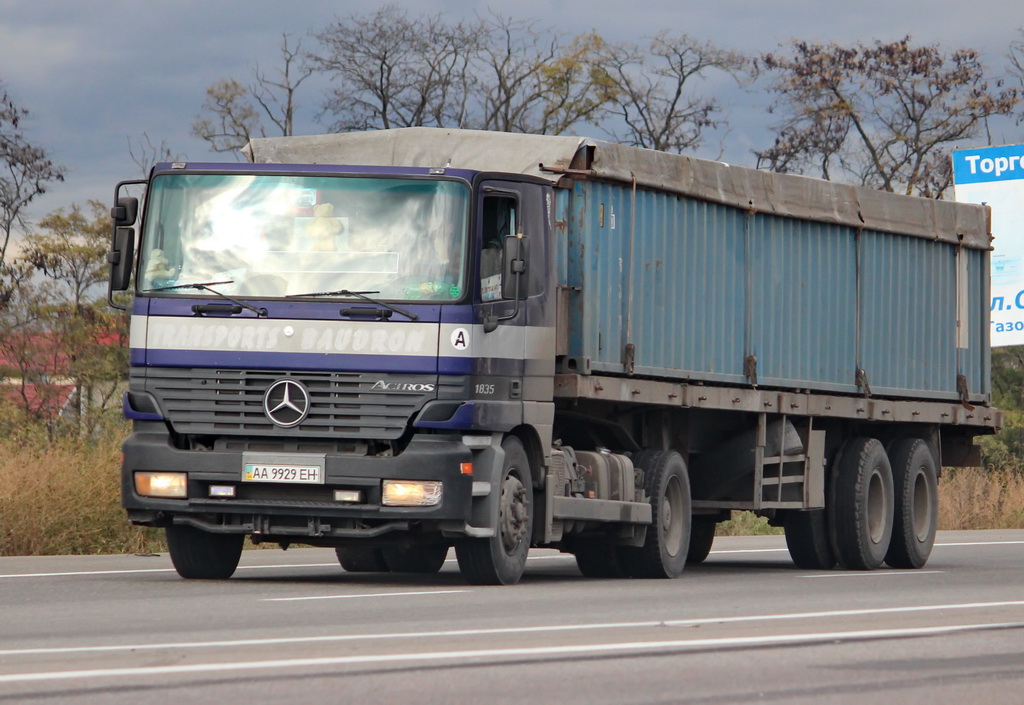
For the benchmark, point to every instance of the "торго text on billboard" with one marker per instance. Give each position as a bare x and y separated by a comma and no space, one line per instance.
995,176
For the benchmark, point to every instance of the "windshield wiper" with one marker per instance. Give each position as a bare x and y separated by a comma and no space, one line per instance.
360,295
208,286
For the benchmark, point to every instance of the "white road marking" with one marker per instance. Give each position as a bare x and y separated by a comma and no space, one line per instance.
572,650
450,560
512,630
785,550
353,597
980,543
871,573
85,572
155,570
241,567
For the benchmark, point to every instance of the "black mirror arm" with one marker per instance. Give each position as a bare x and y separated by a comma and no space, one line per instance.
518,267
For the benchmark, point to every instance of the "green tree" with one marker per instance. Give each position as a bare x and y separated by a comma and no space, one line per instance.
882,115
61,333
31,359
71,250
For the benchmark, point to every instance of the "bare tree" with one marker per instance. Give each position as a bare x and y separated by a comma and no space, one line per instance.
275,94
1016,57
237,111
145,154
530,81
391,70
235,119
653,93
27,171
882,115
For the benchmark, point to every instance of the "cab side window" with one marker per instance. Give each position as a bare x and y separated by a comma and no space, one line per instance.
499,220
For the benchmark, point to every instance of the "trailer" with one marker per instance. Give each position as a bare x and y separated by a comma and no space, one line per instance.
397,342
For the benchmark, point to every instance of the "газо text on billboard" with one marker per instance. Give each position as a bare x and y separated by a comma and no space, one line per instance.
995,176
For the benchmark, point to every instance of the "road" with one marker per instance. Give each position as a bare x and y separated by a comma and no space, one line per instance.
746,626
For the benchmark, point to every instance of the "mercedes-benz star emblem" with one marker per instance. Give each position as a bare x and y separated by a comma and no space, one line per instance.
286,403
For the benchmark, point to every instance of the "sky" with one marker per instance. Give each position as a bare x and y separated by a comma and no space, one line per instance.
96,74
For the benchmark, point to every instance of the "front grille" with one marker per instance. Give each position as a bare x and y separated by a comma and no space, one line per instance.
220,402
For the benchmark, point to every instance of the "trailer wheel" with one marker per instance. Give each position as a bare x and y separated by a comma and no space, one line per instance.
915,480
663,554
501,559
423,558
702,536
200,555
598,558
360,559
807,540
861,514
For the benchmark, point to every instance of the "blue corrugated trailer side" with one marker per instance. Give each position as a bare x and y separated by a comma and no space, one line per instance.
673,287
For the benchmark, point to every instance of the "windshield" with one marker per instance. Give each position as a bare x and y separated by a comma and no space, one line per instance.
273,235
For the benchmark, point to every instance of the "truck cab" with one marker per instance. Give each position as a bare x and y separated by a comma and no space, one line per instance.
335,356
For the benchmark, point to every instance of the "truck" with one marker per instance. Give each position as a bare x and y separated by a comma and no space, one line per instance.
398,342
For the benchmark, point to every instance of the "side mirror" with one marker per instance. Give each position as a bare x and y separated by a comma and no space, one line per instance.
121,258
513,282
126,211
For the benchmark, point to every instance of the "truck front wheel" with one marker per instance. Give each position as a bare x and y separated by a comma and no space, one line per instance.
501,559
200,555
360,559
667,543
416,558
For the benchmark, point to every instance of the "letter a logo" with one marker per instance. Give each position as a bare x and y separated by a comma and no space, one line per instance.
460,338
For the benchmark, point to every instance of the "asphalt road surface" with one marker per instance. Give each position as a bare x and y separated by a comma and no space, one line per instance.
744,627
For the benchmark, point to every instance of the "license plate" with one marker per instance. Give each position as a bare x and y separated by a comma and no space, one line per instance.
280,472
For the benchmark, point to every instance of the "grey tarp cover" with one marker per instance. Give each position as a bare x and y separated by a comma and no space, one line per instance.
750,189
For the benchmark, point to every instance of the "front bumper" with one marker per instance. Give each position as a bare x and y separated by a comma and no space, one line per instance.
287,510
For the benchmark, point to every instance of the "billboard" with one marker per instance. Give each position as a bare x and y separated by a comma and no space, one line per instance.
995,176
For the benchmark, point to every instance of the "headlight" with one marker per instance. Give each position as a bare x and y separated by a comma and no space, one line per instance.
162,484
411,493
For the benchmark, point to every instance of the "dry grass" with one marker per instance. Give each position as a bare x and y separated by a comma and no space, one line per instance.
976,498
64,497
969,498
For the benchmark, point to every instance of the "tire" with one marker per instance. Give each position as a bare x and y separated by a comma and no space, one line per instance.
501,559
359,559
200,555
598,558
807,540
915,481
702,536
426,559
663,554
861,512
